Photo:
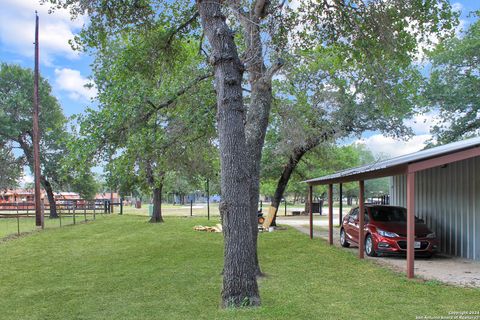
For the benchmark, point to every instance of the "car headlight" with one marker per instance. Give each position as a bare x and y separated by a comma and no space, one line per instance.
387,234
431,235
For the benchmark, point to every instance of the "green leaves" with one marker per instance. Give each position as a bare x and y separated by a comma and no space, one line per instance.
11,168
454,85
156,113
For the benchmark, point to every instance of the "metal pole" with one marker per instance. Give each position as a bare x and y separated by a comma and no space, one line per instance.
36,133
111,201
121,206
410,224
340,204
330,214
42,210
285,207
208,200
310,211
60,218
361,220
18,224
191,208
74,207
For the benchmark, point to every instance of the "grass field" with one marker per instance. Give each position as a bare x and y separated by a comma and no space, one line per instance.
121,267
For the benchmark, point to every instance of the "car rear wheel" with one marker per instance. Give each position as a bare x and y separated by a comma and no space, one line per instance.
343,239
369,248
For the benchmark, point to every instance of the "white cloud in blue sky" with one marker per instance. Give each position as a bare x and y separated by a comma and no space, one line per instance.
17,24
68,71
74,84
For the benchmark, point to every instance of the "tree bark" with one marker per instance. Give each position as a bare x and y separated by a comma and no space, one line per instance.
239,280
288,169
43,180
260,79
50,196
157,205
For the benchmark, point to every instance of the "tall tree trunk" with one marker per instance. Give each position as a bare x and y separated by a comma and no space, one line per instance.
51,198
157,205
239,280
43,180
288,169
284,178
260,79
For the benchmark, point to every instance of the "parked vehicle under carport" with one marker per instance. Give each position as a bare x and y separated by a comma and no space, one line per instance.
386,231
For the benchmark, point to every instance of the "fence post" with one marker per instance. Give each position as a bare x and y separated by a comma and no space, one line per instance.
42,213
18,220
74,207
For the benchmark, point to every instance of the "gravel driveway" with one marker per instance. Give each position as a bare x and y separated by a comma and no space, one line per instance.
443,268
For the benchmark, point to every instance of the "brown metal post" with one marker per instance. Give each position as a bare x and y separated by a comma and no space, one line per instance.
410,224
208,199
310,200
361,219
42,210
111,201
330,214
36,134
340,204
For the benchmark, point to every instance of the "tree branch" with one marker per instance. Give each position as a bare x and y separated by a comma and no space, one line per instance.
274,69
181,27
260,8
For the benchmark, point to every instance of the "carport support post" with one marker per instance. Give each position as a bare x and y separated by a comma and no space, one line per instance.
340,204
330,214
310,204
410,224
361,220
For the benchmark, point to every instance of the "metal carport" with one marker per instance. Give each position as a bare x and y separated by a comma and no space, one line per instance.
408,165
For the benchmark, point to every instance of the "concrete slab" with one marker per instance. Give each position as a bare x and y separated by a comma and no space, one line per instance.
443,268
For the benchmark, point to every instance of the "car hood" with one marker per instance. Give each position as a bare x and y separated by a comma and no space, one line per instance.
400,228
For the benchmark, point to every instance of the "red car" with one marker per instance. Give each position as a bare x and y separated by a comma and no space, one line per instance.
386,231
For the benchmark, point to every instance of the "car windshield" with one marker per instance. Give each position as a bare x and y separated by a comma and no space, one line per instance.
390,214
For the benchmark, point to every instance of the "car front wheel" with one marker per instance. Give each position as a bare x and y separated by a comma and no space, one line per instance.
343,239
369,248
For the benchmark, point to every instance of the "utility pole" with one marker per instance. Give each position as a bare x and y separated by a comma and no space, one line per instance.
36,135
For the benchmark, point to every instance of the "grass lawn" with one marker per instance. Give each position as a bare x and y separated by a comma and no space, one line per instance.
11,226
121,267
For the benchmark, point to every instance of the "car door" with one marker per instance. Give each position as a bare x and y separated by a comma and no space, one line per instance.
352,225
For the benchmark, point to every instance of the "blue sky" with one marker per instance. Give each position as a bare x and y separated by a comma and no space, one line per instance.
68,71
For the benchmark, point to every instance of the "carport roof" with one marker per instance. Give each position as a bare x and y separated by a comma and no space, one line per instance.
394,166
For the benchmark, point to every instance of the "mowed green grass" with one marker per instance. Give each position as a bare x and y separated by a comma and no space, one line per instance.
11,226
122,267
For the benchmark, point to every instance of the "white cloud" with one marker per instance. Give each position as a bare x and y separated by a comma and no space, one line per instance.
72,82
26,179
457,6
17,30
422,123
381,145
